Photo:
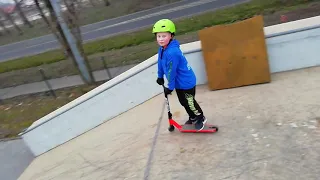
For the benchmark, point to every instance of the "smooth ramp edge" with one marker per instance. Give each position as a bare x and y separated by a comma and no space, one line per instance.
267,131
111,99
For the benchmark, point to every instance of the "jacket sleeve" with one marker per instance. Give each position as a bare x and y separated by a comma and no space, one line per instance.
173,61
160,70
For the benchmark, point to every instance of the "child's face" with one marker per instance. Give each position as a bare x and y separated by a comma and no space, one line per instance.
163,38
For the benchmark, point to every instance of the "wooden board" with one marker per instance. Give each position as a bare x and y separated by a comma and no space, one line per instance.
235,54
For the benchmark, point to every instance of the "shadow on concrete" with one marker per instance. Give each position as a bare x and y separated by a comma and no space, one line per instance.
15,158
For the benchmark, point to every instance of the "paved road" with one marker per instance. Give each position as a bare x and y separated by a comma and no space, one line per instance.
115,26
15,156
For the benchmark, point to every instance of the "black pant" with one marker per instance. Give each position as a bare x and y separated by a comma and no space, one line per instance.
187,100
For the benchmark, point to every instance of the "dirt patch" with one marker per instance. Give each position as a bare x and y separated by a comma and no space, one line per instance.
311,10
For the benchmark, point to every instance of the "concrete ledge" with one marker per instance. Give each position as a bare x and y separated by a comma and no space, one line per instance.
103,103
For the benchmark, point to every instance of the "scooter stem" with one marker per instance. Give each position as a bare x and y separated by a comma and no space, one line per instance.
167,101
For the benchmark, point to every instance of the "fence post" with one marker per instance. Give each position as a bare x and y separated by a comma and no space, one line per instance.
45,79
106,67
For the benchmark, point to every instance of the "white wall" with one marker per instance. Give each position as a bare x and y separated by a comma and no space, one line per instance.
112,98
294,51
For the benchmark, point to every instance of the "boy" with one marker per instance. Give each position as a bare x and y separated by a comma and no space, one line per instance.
180,76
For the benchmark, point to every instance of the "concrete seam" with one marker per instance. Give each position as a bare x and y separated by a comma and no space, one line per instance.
154,141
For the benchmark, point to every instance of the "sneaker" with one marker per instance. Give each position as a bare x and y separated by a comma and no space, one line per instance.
200,123
191,121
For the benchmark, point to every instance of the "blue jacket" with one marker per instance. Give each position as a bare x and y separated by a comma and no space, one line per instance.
173,64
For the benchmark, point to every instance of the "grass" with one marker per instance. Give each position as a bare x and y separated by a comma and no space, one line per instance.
15,114
32,61
191,24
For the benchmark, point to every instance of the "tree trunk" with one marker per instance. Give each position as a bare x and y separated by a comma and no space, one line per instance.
79,3
52,28
57,30
4,27
9,17
66,44
92,3
42,13
22,15
73,22
106,2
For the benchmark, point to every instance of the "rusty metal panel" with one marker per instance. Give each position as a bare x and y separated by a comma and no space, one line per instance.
235,54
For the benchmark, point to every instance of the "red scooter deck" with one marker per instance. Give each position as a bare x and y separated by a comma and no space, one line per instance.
190,128
187,128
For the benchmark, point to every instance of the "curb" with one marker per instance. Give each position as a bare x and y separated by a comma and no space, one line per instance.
9,139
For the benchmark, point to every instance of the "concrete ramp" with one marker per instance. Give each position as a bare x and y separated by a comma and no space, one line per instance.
267,131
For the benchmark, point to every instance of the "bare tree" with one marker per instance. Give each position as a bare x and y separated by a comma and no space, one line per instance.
79,3
8,16
73,23
56,28
53,28
22,15
106,2
4,27
92,3
42,13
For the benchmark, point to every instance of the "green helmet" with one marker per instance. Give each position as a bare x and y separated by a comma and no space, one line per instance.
164,25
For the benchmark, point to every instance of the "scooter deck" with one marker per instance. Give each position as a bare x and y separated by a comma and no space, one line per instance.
191,128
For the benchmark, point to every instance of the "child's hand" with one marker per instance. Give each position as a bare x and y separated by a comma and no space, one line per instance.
160,81
167,91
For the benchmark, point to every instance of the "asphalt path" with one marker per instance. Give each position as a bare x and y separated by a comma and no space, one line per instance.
116,26
15,156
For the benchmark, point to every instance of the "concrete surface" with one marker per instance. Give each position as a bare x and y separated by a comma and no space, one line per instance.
58,83
115,26
14,157
266,131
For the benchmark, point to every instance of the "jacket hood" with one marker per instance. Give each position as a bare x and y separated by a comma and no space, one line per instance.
173,43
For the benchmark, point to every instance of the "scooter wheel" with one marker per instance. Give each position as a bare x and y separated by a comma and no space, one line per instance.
171,128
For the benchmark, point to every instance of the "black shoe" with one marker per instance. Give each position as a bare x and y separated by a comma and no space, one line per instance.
191,121
200,123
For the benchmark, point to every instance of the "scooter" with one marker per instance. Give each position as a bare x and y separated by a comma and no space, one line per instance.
186,128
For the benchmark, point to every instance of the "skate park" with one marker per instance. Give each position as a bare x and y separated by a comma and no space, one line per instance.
266,131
